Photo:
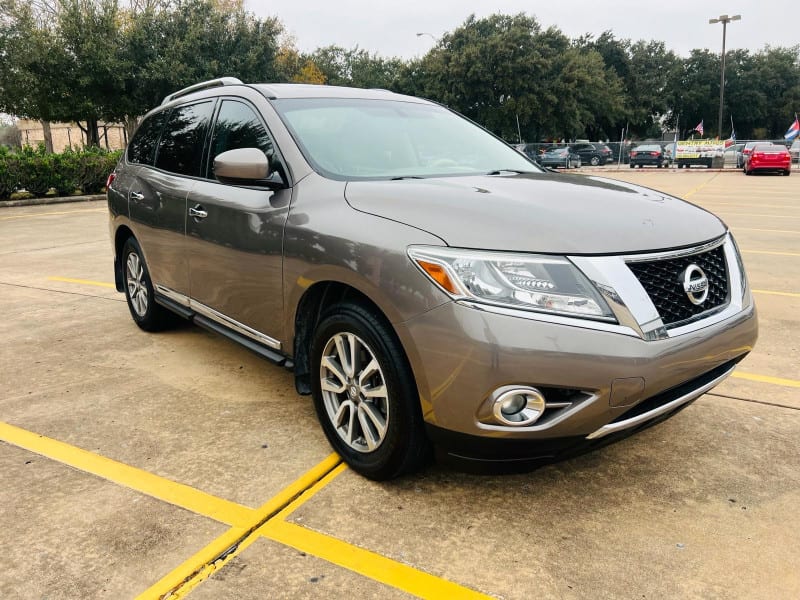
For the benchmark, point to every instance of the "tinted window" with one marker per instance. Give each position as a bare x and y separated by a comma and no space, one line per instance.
143,145
181,147
238,126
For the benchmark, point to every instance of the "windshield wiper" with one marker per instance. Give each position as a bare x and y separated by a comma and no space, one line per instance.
501,171
399,177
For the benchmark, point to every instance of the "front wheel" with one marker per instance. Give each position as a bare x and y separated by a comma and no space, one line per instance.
365,394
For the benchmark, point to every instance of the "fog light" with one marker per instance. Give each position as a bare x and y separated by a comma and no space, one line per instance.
518,406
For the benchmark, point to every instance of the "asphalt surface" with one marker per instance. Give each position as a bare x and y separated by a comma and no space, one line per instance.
179,464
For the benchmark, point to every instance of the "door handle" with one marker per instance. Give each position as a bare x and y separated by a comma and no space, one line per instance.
137,196
198,212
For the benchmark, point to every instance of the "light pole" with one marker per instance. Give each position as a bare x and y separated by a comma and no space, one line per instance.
724,19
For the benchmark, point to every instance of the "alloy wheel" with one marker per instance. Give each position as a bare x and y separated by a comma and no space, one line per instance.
137,289
354,392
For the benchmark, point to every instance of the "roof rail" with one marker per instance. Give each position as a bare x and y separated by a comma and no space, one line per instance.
211,83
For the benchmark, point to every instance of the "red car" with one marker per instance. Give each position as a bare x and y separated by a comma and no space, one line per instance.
766,157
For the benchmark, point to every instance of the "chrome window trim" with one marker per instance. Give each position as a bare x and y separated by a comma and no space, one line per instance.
217,316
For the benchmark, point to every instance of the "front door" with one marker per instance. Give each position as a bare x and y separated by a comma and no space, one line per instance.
235,236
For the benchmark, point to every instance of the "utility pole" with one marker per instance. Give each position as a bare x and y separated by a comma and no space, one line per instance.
724,19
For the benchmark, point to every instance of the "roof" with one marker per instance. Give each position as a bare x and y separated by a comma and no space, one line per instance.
304,90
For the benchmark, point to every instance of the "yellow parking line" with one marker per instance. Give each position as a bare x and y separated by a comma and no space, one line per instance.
701,186
771,252
738,214
48,214
181,580
139,480
361,561
771,293
738,204
766,379
83,282
367,563
767,230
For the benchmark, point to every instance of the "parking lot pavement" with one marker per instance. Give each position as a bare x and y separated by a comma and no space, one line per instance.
139,464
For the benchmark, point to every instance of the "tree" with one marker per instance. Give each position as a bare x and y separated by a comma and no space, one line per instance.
166,48
356,67
91,60
504,68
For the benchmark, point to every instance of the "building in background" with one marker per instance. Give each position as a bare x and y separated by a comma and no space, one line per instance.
65,135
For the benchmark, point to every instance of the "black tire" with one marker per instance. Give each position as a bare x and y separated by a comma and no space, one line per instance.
787,172
404,447
594,161
153,317
632,166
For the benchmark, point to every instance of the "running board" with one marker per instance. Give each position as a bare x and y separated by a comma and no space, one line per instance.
268,353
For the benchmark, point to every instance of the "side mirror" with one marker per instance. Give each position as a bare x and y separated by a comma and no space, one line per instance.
246,166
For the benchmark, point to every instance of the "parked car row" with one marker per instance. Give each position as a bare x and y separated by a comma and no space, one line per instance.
569,156
648,154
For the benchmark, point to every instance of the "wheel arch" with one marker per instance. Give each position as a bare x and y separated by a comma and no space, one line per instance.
310,308
316,299
121,235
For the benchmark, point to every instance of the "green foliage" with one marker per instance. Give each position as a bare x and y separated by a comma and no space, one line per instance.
90,60
38,171
105,60
356,67
503,68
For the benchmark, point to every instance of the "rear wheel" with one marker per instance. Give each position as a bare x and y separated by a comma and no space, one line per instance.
139,290
594,161
787,172
365,394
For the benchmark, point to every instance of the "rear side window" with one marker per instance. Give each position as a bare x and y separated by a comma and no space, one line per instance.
181,147
142,147
238,126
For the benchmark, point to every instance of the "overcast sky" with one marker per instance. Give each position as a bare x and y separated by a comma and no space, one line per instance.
390,27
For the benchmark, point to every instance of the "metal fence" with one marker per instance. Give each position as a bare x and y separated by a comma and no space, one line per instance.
621,150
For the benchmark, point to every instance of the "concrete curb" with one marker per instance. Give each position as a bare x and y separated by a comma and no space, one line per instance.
59,200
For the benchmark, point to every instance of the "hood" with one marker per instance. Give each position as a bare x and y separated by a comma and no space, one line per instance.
533,212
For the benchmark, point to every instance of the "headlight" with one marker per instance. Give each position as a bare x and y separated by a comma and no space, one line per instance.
550,284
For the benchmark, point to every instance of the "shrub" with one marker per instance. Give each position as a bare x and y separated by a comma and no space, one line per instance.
38,171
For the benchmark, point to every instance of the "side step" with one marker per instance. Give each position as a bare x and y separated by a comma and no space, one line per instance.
263,351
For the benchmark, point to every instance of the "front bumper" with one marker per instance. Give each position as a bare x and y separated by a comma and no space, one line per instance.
615,382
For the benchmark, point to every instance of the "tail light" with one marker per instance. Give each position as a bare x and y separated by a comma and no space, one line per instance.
655,154
634,153
110,180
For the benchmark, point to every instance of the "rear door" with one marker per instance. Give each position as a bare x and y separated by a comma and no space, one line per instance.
235,249
158,197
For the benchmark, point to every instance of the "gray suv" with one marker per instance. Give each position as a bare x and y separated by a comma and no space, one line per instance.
428,285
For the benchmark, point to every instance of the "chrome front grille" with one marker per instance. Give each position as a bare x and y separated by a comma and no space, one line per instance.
662,279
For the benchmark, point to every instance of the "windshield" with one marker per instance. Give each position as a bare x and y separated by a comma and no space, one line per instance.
346,138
